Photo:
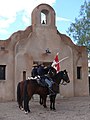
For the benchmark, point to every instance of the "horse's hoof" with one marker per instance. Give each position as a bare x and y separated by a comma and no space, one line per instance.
44,106
41,103
50,108
22,109
26,112
54,109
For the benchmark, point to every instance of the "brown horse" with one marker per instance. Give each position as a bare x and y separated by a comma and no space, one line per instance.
62,75
20,87
31,87
34,87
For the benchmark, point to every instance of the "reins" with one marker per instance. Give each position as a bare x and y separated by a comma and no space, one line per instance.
63,83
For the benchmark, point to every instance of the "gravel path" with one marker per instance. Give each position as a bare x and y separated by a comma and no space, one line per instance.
75,108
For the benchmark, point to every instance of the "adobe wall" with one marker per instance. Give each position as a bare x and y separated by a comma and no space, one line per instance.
25,47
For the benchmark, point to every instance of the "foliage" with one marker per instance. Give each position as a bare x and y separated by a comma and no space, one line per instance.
80,30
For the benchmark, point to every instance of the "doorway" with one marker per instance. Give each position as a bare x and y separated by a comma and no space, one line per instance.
44,63
24,75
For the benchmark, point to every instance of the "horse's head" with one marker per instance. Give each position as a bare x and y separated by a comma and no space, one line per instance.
65,76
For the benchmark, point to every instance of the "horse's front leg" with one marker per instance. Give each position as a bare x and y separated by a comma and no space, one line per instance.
54,102
51,101
53,106
50,105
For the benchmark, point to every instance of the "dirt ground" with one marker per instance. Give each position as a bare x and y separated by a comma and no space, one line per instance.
75,108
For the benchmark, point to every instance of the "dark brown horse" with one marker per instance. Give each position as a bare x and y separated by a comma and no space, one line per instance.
31,87
62,75
20,87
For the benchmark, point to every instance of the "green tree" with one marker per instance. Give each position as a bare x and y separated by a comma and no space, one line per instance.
80,30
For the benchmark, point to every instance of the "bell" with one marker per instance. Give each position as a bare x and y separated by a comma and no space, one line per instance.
43,22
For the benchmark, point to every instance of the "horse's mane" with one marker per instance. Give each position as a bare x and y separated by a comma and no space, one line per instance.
57,77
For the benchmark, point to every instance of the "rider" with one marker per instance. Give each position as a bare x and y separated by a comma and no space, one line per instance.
34,71
48,80
40,70
45,79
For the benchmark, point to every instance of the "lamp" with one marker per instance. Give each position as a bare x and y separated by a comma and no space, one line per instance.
48,51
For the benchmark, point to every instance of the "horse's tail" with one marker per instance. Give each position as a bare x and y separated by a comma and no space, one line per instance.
25,89
18,93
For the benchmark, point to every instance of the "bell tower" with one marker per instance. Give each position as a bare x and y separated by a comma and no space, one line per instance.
43,15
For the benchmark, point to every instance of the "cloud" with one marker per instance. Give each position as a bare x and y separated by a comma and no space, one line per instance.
4,22
3,31
10,8
62,19
26,19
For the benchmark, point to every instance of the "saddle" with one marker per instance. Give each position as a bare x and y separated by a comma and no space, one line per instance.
44,82
40,80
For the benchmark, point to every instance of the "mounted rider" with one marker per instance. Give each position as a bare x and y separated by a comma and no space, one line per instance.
41,73
52,71
46,78
34,71
38,72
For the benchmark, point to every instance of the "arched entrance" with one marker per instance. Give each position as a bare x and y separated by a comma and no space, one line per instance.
44,63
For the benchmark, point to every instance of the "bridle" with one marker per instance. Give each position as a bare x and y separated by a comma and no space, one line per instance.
63,82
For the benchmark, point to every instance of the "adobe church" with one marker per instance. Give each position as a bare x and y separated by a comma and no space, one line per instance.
24,48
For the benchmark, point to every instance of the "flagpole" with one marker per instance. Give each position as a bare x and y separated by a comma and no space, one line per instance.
62,60
57,53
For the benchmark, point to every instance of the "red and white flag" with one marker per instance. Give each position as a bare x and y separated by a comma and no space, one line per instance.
56,64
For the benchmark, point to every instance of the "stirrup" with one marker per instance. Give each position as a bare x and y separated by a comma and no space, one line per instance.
38,76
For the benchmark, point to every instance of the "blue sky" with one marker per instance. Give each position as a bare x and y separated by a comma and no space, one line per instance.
16,14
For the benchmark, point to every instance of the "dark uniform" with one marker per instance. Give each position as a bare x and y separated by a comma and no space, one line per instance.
34,71
48,80
40,70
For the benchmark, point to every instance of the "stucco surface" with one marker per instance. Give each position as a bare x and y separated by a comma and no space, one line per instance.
26,47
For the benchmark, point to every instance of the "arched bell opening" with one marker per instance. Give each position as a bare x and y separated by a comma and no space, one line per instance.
44,16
